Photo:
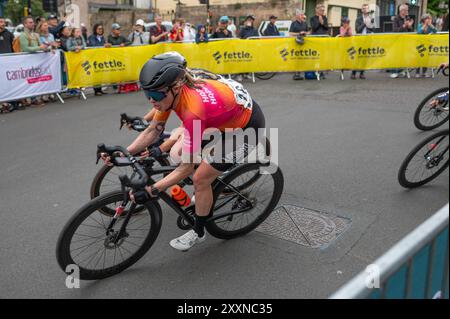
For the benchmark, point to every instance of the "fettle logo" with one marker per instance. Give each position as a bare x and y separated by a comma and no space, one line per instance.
86,67
303,54
366,53
284,53
217,56
433,50
232,56
352,52
421,49
102,66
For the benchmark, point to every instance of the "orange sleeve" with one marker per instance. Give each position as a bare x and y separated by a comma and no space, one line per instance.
161,116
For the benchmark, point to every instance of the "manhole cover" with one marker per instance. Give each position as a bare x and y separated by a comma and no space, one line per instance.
304,226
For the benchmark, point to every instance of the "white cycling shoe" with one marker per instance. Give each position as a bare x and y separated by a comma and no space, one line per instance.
186,241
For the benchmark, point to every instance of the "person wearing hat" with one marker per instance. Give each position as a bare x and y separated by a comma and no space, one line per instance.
53,26
139,36
272,30
248,30
115,38
222,31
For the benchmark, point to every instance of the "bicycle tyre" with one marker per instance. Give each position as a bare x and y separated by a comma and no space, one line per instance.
216,230
403,179
265,75
417,119
63,253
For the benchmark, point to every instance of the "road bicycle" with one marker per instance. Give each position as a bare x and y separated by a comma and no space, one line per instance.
103,245
426,161
431,112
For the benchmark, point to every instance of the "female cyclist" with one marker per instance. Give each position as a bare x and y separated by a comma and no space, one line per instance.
201,105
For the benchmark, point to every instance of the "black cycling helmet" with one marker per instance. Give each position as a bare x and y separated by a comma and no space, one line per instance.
162,71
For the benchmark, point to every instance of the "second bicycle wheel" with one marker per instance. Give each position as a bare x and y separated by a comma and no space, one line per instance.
251,205
84,240
429,116
426,161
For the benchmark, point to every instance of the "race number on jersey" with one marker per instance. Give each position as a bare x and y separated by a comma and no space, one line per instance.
240,93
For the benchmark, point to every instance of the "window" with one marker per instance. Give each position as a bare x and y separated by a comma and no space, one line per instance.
344,12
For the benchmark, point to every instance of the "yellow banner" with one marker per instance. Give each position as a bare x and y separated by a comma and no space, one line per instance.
385,51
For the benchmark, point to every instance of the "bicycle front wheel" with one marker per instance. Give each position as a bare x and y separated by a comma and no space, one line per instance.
426,161
428,116
248,206
86,243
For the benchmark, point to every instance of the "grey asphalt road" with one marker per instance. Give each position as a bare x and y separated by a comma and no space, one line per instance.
341,144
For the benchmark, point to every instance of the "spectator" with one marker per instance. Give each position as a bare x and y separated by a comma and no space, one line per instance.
202,35
345,29
402,23
248,30
139,36
319,23
55,27
6,38
222,31
299,28
29,42
176,34
445,24
44,35
84,32
96,39
232,28
439,22
6,46
425,27
188,31
272,30
115,38
76,42
365,24
158,32
64,36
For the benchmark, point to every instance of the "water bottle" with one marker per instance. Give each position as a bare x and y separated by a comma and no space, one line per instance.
180,196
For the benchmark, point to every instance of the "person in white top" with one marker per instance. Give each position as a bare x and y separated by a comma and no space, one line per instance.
188,32
232,27
139,36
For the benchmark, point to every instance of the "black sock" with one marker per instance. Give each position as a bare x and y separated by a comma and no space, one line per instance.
199,226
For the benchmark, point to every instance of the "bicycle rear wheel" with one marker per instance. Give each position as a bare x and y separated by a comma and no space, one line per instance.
251,205
428,117
426,161
84,240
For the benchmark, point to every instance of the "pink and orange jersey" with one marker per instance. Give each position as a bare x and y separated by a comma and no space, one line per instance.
212,105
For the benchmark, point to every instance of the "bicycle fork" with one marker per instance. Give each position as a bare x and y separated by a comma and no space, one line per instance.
119,211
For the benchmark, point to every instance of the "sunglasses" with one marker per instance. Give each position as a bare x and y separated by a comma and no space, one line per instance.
156,96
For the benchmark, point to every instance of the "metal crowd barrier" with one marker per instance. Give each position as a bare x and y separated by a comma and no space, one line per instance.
415,268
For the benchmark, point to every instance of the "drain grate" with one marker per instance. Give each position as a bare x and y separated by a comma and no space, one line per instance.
304,226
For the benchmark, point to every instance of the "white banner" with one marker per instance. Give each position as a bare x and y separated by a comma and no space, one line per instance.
28,75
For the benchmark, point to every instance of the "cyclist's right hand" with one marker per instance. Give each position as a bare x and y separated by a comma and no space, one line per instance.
107,159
